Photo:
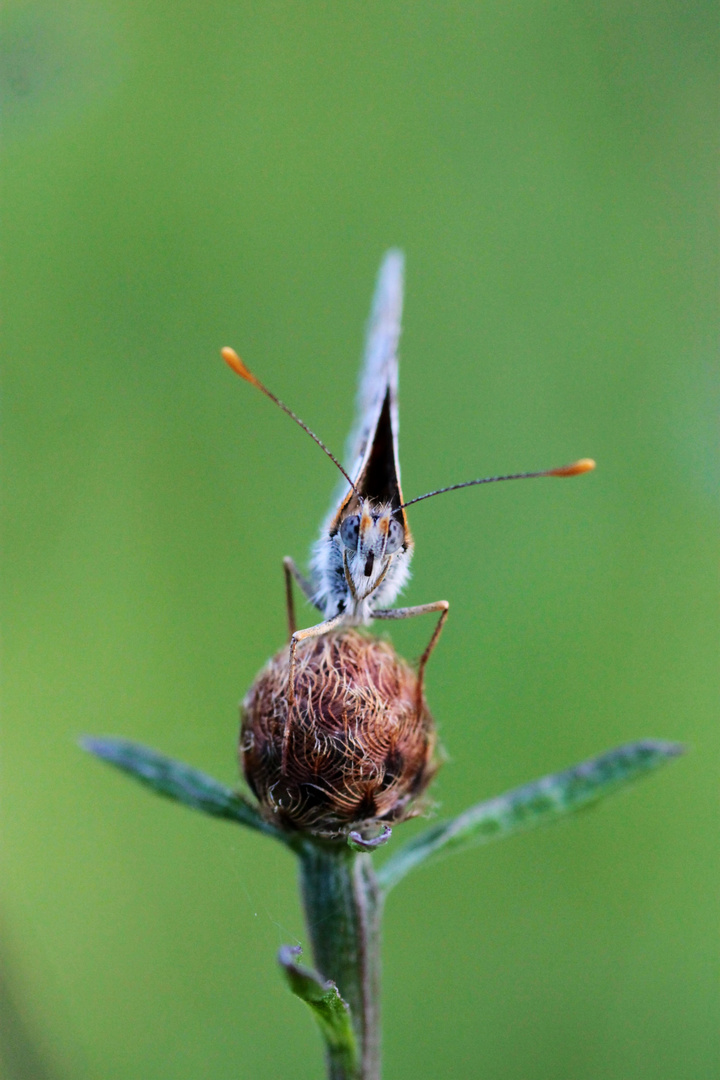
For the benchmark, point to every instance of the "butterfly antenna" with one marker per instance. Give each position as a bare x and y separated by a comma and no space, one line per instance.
233,361
582,466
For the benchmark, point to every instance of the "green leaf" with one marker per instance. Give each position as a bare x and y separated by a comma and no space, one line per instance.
330,1011
527,807
179,782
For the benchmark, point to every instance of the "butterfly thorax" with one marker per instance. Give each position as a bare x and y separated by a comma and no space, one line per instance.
362,561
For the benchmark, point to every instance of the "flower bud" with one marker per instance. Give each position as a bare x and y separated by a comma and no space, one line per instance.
358,751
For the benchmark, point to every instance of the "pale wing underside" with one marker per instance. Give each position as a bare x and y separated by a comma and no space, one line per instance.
380,365
378,386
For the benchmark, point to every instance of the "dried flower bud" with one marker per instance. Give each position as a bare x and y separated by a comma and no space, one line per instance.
357,755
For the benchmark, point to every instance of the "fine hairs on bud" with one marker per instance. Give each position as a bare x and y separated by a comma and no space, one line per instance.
358,754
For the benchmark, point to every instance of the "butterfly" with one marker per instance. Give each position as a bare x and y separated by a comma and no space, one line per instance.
361,560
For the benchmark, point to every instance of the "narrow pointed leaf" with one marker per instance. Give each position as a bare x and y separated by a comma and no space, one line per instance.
178,781
534,804
330,1011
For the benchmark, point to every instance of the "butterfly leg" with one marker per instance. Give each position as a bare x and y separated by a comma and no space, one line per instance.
291,571
408,613
296,638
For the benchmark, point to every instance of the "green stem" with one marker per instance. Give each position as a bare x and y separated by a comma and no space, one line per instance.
343,909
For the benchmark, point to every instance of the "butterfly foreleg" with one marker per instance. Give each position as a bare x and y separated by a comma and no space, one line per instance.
408,613
295,639
291,571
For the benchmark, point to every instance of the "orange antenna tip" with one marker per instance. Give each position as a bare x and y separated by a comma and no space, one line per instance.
233,361
584,465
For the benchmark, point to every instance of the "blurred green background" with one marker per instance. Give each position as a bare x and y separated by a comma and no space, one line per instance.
181,176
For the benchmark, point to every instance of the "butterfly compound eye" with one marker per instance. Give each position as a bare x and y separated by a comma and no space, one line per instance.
395,537
349,532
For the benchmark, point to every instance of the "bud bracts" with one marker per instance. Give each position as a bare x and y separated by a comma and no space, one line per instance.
358,751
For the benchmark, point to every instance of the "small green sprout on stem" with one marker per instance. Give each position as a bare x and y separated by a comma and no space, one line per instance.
356,764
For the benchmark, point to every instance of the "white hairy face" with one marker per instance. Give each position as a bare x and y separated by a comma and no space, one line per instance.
364,563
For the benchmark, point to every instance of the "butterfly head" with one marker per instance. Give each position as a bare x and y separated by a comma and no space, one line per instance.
372,536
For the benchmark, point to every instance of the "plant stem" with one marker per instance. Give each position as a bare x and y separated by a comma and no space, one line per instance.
343,908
